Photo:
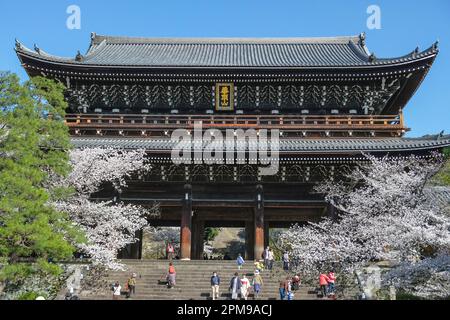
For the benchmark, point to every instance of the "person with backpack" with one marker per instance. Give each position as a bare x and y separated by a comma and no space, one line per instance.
240,261
215,283
257,284
235,286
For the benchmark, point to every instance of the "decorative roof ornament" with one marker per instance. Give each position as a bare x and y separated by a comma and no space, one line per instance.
415,52
18,44
37,49
93,35
362,38
79,56
435,45
372,57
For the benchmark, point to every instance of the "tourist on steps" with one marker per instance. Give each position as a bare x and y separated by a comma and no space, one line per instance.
240,261
296,282
171,276
285,261
331,281
289,292
245,285
170,251
257,284
131,284
235,286
285,288
116,289
271,259
215,283
259,266
323,282
282,289
265,256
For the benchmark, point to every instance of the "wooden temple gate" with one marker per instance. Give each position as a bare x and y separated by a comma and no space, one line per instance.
329,99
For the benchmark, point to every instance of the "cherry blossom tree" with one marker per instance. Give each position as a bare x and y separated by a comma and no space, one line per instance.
108,225
383,214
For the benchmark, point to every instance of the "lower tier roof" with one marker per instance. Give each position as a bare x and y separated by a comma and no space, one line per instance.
285,145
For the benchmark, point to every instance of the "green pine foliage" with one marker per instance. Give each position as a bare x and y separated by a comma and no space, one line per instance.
34,144
443,176
211,234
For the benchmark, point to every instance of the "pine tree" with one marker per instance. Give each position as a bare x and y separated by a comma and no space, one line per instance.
34,144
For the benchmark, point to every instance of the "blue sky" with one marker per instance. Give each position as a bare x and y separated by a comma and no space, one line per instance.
404,25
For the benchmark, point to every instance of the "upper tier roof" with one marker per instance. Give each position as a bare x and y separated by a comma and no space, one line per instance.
285,145
333,52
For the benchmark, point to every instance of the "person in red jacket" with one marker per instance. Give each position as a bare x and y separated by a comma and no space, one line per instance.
323,282
331,281
171,276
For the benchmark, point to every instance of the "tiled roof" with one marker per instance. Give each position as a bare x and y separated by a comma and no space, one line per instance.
227,52
438,194
286,145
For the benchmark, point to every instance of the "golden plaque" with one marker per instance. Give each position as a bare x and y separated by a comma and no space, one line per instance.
224,96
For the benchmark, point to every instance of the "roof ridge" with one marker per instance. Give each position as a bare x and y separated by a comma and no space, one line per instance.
97,39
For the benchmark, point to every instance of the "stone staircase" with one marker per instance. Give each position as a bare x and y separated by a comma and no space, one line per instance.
193,281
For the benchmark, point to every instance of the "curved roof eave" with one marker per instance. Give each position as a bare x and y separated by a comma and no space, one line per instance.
72,63
359,50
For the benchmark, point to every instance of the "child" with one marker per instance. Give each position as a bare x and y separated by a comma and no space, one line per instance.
259,266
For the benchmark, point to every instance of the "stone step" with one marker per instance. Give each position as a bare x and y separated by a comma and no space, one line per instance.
192,280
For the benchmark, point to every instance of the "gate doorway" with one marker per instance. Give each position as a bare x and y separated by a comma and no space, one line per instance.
226,245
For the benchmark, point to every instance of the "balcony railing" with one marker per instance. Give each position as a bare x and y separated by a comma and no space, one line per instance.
286,122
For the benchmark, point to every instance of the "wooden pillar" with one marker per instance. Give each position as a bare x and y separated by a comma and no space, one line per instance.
201,235
250,239
266,234
140,236
198,231
194,236
259,222
186,224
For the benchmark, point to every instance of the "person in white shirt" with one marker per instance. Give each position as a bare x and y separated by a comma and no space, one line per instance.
116,291
270,259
